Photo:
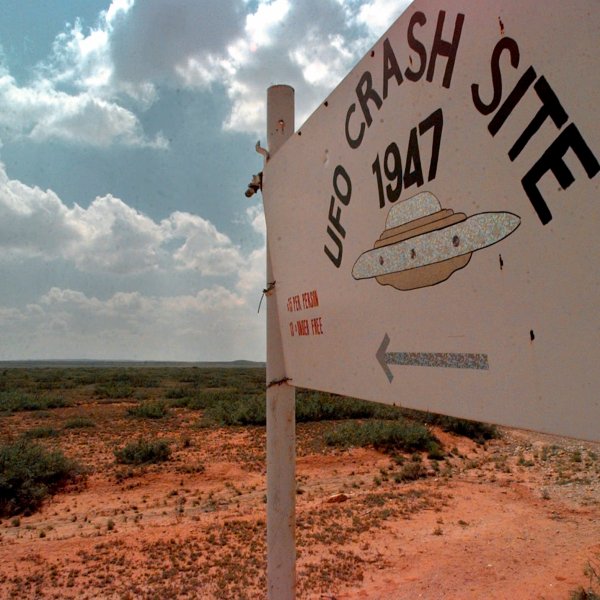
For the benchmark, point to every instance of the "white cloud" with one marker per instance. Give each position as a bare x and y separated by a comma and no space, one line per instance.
130,325
378,15
113,237
310,46
205,321
41,112
137,45
33,222
205,249
108,236
256,217
261,26
252,277
153,38
82,59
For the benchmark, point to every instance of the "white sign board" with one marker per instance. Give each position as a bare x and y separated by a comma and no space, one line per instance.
434,226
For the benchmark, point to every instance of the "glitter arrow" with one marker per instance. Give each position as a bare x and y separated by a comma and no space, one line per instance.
453,360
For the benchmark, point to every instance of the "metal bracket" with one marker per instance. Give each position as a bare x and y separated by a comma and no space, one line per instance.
278,382
266,292
262,151
254,185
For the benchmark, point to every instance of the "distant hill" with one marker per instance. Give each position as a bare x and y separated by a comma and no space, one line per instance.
32,364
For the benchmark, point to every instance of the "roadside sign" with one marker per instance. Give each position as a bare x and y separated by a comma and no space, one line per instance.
434,225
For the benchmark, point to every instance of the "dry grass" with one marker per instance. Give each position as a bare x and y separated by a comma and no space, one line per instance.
193,526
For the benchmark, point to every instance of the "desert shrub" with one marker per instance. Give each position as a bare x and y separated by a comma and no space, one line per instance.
143,452
79,423
206,398
472,429
592,571
435,452
410,471
51,379
583,594
178,402
149,409
193,468
319,406
202,399
29,473
117,375
143,378
177,393
15,400
248,380
43,431
85,376
224,407
385,435
249,410
114,390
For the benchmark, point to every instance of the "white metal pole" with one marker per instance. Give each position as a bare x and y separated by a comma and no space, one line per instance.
281,412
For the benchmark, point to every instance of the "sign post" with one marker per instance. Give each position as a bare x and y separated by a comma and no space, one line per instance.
433,232
281,413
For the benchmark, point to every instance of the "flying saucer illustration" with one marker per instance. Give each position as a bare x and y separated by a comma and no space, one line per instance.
423,244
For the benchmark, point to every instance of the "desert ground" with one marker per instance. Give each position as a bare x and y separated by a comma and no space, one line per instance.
514,516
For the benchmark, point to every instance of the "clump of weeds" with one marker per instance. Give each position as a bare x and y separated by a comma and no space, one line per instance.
149,409
143,452
29,473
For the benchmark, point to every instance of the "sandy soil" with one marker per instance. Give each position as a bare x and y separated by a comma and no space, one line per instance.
516,518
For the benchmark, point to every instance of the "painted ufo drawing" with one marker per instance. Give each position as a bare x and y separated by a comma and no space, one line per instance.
424,244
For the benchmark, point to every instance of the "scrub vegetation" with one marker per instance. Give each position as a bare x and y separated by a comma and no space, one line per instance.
14,400
149,409
214,397
143,452
383,435
29,473
157,474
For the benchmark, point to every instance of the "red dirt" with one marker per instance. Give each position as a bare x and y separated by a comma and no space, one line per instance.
516,518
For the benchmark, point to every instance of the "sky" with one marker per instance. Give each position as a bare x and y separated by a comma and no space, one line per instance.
127,134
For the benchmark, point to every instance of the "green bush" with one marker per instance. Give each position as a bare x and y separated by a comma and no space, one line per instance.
29,473
79,423
228,408
385,435
583,594
250,410
53,379
206,398
472,429
114,390
43,431
14,400
410,471
178,402
143,452
149,409
320,406
177,393
140,378
201,399
592,571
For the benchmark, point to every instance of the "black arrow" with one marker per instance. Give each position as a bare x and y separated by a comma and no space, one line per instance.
451,360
